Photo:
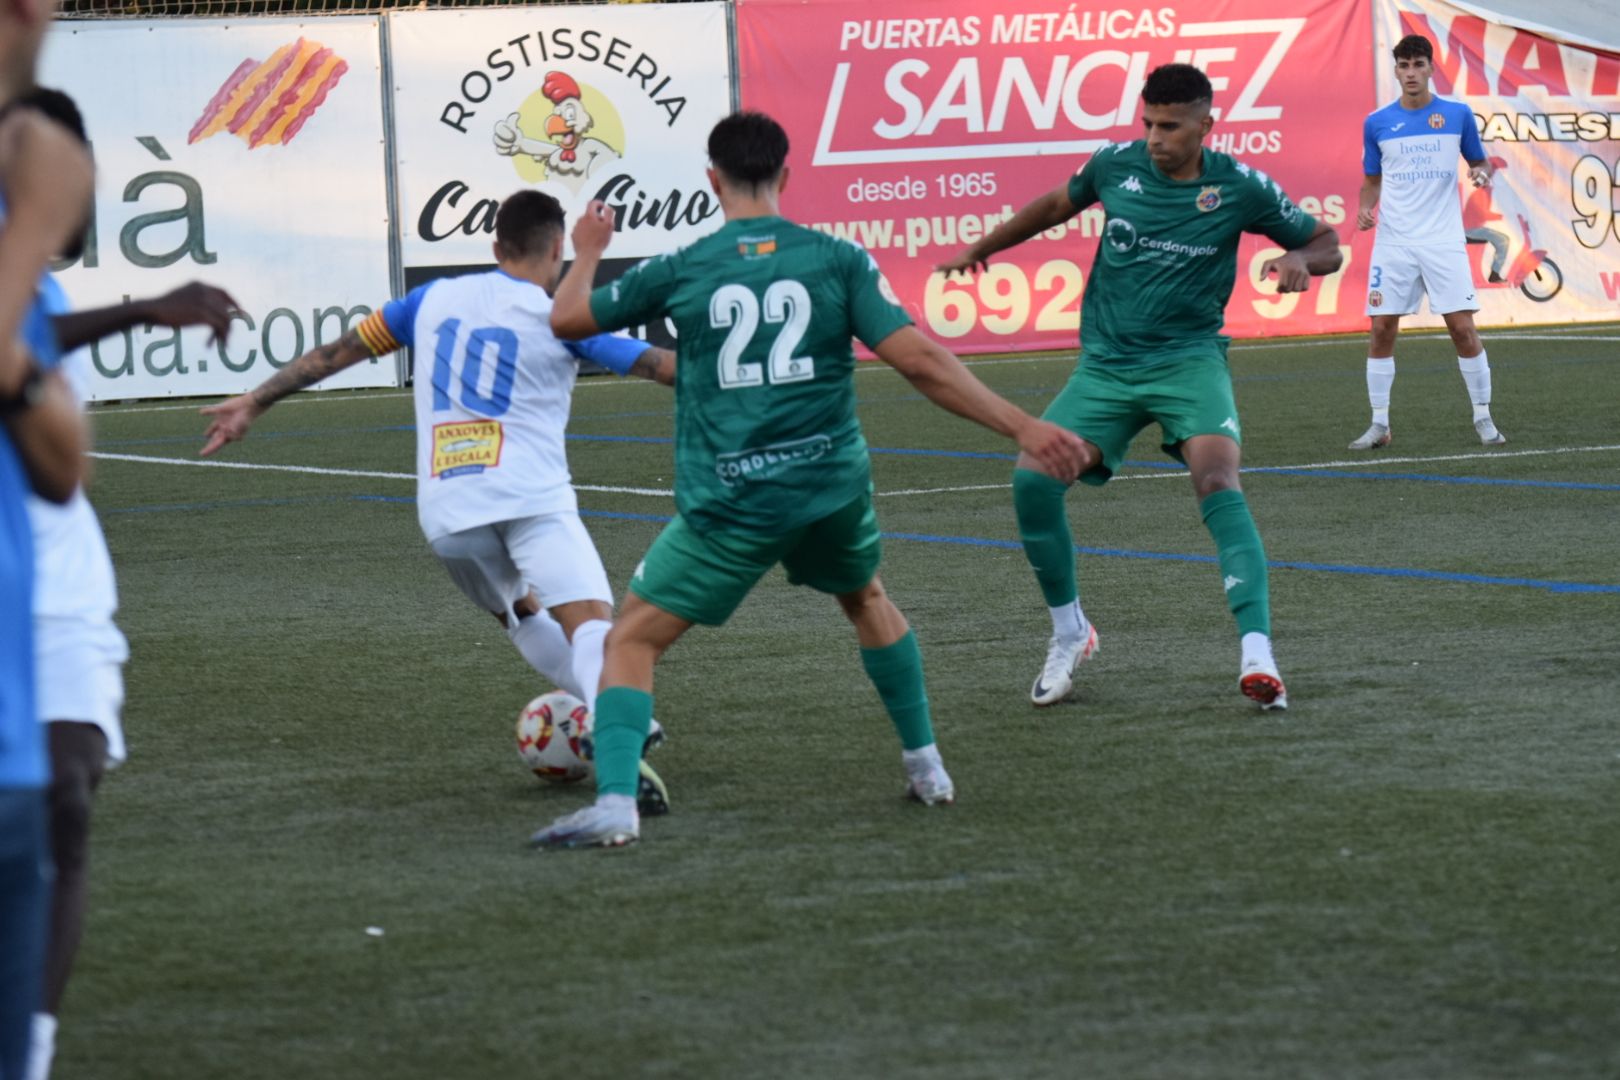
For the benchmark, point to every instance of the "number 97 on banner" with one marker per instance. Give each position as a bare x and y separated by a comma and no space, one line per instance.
1003,298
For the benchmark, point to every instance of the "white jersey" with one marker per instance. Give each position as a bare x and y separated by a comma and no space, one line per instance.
493,387
1416,152
73,569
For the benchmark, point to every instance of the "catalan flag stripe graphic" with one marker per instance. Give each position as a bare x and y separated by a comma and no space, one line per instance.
267,103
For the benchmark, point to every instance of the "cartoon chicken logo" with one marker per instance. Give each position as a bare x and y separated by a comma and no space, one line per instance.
568,153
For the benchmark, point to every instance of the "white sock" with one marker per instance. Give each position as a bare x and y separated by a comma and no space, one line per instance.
588,638
1068,621
42,1047
923,756
618,803
1476,374
1257,650
545,646
1380,377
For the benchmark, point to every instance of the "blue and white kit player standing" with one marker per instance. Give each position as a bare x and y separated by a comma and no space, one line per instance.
492,393
1410,161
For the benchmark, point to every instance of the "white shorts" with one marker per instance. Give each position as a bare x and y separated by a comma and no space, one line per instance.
497,565
81,678
1399,277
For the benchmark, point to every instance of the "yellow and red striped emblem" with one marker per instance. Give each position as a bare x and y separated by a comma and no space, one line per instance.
269,102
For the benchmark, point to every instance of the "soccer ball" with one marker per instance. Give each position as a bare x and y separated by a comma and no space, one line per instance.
550,732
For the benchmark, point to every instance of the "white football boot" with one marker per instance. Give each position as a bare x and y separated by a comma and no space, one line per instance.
1260,682
1374,437
927,781
1488,435
613,823
1062,658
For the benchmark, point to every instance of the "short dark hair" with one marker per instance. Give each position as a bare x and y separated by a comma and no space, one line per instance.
527,223
54,105
1413,46
1177,84
748,148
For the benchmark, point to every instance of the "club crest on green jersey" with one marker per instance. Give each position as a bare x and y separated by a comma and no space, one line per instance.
1209,198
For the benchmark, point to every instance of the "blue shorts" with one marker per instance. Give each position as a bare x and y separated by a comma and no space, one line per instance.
25,888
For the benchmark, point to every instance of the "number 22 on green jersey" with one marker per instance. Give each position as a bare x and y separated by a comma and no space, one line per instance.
787,304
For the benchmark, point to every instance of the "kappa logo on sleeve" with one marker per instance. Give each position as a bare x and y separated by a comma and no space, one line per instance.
270,102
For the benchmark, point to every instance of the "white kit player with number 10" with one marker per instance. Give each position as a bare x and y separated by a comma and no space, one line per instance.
493,387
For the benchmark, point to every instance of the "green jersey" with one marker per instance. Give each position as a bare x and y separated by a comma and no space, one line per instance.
766,438
1168,256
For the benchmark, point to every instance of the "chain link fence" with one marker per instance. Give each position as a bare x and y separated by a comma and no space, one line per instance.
191,9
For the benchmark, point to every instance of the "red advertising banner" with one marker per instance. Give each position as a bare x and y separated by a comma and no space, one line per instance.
918,130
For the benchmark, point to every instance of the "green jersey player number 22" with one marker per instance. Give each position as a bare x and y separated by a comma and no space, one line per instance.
737,308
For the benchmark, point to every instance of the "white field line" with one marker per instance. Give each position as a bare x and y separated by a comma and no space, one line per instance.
1167,474
322,398
319,471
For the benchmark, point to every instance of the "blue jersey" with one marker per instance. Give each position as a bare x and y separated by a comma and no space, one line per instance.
23,762
1416,152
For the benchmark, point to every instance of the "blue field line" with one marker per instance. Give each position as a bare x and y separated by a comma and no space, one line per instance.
1430,478
1398,572
1281,564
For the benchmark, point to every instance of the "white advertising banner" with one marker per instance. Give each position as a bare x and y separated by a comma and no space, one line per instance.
248,155
611,102
1544,237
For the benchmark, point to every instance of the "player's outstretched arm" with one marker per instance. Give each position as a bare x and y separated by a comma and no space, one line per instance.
1317,256
571,317
1051,209
940,377
195,304
232,418
1366,211
655,364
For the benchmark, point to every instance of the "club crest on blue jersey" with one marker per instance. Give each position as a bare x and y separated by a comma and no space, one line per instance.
1209,198
1436,121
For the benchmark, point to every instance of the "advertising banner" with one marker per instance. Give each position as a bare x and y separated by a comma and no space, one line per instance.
918,129
248,155
1544,237
583,103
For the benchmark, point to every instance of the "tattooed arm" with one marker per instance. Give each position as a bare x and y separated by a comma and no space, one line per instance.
655,364
232,418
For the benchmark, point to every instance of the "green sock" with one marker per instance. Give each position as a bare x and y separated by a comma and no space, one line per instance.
1243,560
623,718
1044,527
896,671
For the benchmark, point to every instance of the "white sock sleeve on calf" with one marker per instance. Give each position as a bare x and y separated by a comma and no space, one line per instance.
545,646
588,639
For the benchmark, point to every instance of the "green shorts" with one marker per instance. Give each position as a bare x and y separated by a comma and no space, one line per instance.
1109,404
703,577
